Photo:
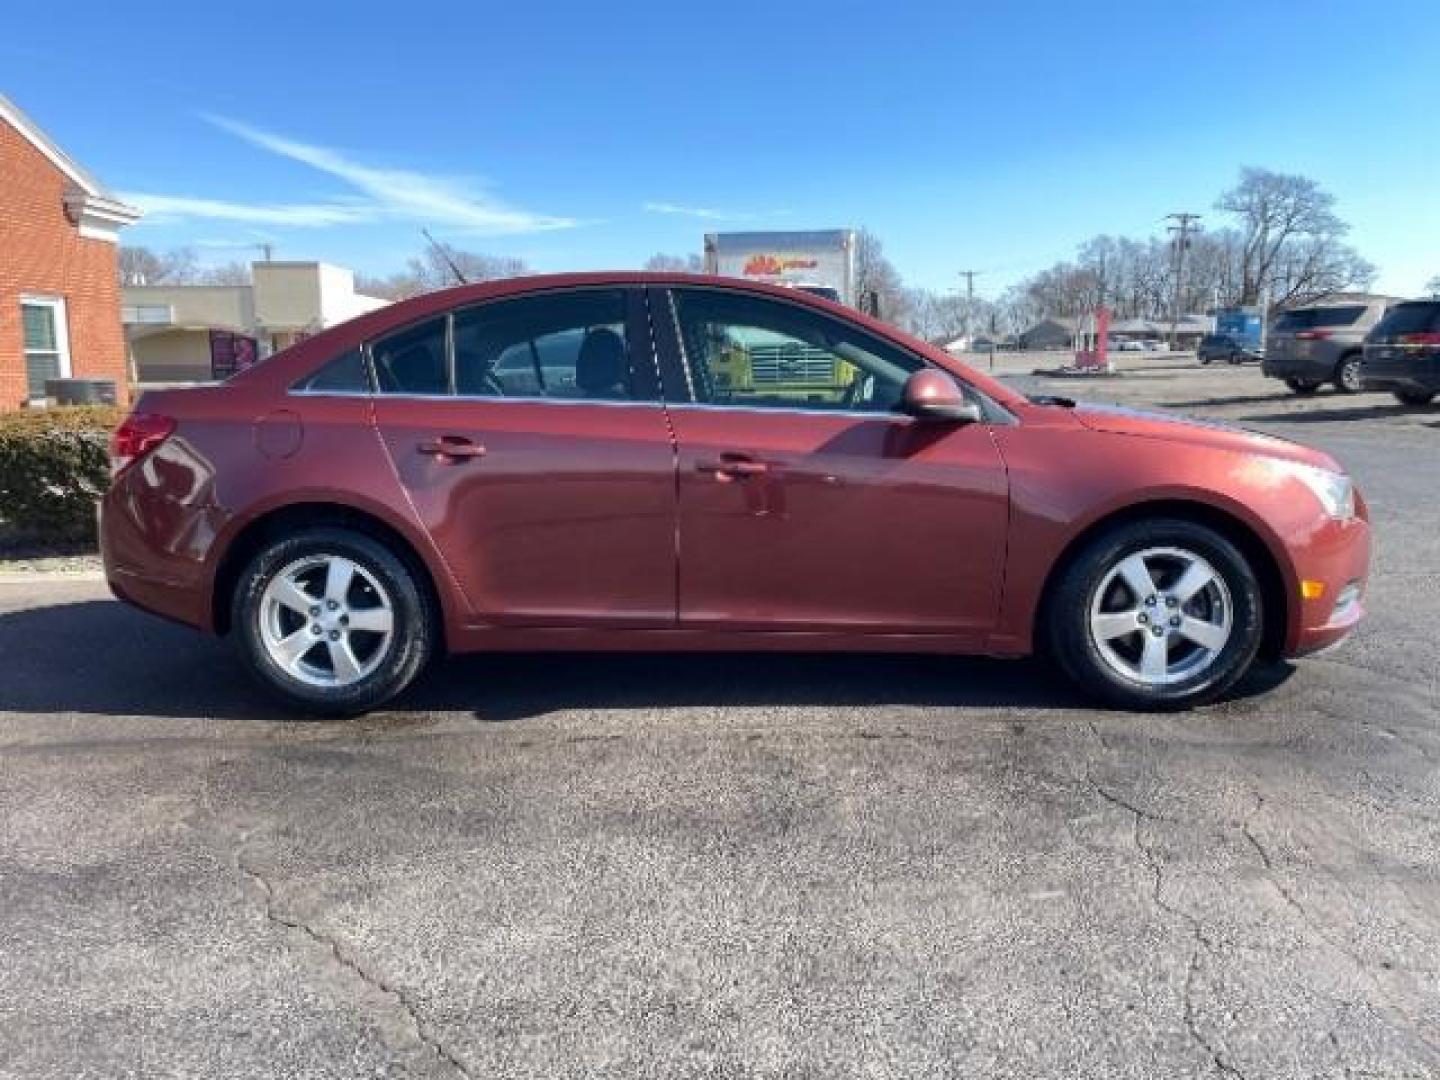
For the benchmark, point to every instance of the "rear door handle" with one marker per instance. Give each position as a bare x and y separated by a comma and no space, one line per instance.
733,467
452,448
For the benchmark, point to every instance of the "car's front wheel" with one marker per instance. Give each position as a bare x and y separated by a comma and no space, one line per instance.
332,621
1162,614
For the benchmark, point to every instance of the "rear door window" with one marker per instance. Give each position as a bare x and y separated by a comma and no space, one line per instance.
1409,319
413,360
1319,318
566,346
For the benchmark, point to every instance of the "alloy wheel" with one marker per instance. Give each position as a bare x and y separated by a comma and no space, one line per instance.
1161,615
326,620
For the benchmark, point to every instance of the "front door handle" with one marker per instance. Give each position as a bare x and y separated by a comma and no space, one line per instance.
733,467
451,448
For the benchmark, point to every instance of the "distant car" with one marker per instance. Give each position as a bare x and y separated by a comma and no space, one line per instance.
1127,345
1402,353
1218,347
1322,343
1156,346
554,464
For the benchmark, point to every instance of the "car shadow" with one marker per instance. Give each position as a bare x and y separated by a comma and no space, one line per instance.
1236,399
100,657
1324,416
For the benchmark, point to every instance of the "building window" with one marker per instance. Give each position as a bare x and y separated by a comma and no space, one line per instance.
47,343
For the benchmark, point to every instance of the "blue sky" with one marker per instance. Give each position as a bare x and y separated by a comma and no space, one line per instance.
990,136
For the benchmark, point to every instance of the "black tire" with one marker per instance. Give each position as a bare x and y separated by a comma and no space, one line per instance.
1072,644
1302,386
1415,397
1348,378
412,640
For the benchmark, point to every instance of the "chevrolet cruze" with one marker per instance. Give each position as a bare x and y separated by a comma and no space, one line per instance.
675,462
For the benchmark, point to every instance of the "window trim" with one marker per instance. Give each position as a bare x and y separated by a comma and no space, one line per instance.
60,317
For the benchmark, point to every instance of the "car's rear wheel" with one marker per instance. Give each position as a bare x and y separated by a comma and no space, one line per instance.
1347,374
1302,386
1414,397
332,621
1162,614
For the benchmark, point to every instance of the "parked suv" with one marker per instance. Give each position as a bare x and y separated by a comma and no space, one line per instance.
1310,346
1214,347
1402,353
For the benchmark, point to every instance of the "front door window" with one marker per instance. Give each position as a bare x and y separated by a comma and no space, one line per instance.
748,351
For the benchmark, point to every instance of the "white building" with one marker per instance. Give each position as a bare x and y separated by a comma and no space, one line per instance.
195,333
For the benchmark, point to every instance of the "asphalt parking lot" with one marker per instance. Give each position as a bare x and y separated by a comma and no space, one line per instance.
737,866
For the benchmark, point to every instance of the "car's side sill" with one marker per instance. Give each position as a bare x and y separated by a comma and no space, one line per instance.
609,639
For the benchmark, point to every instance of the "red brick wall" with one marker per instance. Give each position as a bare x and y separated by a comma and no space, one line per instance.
42,252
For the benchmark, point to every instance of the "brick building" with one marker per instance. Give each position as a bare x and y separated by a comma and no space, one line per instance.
59,286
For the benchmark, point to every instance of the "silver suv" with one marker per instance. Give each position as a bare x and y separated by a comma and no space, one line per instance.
1320,343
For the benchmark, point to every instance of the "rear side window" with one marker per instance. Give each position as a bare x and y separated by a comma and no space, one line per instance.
413,360
1409,319
566,346
1319,317
346,374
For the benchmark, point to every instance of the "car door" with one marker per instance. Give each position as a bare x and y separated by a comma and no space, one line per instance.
530,437
806,502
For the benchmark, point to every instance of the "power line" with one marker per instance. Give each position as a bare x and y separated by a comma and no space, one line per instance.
969,276
1185,224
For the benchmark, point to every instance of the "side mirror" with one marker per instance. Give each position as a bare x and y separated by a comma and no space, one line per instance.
933,395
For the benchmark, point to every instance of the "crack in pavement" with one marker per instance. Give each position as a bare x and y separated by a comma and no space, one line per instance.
1362,965
348,962
1197,931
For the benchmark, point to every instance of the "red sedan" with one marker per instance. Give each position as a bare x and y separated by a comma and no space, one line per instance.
668,461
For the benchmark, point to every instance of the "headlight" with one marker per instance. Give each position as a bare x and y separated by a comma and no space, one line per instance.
1336,491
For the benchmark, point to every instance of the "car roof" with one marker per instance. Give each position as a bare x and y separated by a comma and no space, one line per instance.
298,359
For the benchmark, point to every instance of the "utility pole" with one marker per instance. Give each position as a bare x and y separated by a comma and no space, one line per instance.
267,249
1185,224
969,276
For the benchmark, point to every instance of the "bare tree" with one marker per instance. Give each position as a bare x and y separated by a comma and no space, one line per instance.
875,274
685,264
1433,286
145,266
1292,240
435,268
230,273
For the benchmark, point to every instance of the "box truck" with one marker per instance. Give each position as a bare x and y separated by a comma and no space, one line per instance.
822,262
757,364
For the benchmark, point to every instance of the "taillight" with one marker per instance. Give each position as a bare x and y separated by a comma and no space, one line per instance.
1313,335
137,435
1428,337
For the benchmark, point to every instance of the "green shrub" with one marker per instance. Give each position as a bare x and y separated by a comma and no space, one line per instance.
54,466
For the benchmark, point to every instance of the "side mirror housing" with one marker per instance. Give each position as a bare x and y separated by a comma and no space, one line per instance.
933,395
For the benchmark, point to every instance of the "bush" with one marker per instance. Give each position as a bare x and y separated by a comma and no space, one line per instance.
54,467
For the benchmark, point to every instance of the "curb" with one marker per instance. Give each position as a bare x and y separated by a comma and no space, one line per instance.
40,577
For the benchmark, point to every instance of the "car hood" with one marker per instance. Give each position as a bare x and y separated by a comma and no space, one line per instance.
1119,420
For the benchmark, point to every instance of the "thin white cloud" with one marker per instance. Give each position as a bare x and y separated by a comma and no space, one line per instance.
707,213
450,202
162,208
